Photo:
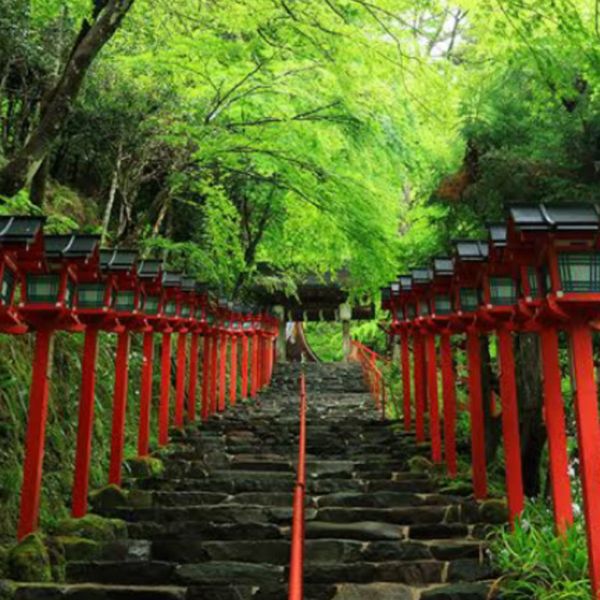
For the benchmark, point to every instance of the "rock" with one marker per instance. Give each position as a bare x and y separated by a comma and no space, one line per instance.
107,498
458,591
93,527
362,530
420,464
3,562
140,498
144,466
7,589
373,591
227,572
78,548
30,560
493,512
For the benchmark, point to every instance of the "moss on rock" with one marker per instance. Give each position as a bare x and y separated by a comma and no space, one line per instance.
78,548
494,512
7,590
145,466
3,562
29,560
420,464
93,527
107,498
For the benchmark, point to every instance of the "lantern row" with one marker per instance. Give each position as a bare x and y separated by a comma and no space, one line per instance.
55,283
537,272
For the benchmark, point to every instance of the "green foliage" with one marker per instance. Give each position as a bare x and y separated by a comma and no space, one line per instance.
539,564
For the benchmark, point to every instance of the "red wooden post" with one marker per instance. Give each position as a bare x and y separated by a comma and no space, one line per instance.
36,436
448,384
119,408
193,378
214,360
206,371
477,422
165,390
510,426
146,395
222,371
588,441
233,371
557,436
406,380
85,426
254,367
180,380
244,366
432,387
418,370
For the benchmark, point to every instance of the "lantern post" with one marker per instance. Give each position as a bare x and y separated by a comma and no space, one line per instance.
247,332
566,238
468,259
256,330
236,334
121,264
422,281
500,281
526,225
149,273
47,302
166,324
440,323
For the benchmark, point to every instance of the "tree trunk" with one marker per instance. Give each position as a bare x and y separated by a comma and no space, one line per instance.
529,393
20,169
112,193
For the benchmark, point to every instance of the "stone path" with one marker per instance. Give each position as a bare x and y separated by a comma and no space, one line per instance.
215,525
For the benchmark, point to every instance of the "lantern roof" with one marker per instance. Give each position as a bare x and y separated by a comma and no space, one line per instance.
443,267
19,229
471,250
188,284
117,259
171,279
555,217
422,276
71,246
498,234
149,269
395,288
406,283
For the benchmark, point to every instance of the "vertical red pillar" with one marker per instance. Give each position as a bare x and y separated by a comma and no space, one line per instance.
244,367
476,410
85,425
449,391
588,441
206,371
557,436
165,390
419,389
405,358
432,387
222,371
254,367
146,395
180,380
233,377
35,437
510,426
214,360
193,378
119,408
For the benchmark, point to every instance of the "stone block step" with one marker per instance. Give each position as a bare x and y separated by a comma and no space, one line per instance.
149,530
92,591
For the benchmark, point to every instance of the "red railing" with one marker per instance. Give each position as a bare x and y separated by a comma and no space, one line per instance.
373,374
296,583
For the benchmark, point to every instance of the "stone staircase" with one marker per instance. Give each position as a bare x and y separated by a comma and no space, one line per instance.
215,524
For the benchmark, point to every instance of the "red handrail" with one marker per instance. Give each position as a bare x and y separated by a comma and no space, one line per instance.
296,583
373,376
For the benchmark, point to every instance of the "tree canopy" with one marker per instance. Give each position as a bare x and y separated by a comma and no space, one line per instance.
307,134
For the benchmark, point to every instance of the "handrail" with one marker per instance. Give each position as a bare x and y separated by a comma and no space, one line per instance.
373,375
296,583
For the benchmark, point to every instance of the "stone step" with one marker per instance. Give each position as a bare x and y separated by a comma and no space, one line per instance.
91,591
